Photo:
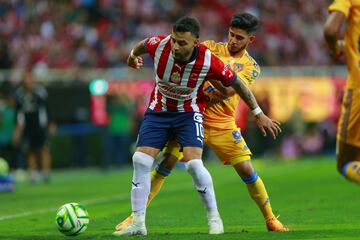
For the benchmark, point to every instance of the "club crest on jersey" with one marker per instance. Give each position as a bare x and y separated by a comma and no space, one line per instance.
175,77
154,40
237,136
237,67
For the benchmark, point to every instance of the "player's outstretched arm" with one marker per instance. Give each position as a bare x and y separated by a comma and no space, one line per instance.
331,30
264,122
134,60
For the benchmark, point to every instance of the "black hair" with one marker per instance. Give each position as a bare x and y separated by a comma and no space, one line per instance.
245,21
187,24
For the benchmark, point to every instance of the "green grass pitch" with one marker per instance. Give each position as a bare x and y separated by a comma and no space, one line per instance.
311,197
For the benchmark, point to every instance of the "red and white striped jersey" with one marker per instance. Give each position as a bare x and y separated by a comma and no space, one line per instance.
179,86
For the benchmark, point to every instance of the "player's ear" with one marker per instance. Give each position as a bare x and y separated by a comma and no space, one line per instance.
252,38
197,42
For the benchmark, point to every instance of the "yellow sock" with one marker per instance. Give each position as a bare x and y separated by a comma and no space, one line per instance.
259,195
351,171
157,180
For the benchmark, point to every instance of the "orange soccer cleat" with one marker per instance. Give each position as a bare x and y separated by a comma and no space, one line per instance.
121,226
274,225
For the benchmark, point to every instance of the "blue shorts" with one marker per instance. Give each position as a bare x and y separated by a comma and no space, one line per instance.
158,127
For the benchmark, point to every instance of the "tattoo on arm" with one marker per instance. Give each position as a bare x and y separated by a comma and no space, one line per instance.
245,93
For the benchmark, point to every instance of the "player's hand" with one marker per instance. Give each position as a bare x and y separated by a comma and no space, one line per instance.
135,62
339,50
268,125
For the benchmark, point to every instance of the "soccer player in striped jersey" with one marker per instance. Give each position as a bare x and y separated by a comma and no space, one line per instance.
182,66
348,135
221,132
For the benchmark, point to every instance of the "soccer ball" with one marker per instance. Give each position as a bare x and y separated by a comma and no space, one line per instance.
72,219
4,167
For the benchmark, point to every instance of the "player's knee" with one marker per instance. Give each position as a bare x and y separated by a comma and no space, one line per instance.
142,160
244,169
194,165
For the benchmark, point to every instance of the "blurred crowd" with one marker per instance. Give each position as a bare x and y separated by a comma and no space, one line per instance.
99,33
88,34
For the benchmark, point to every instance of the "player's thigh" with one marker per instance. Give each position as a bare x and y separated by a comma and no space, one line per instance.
228,145
190,130
349,123
155,130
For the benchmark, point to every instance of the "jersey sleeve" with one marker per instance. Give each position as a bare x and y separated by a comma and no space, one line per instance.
343,6
221,72
249,73
152,43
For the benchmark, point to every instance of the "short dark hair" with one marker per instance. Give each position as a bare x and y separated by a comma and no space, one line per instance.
245,21
187,24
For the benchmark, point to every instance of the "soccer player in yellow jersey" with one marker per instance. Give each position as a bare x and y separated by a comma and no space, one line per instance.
221,133
348,135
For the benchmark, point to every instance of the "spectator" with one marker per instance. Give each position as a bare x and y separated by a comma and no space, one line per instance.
97,34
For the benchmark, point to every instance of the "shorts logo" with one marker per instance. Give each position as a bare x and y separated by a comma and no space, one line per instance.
237,136
198,117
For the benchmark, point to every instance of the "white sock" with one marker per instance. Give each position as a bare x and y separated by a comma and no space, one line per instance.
140,184
203,183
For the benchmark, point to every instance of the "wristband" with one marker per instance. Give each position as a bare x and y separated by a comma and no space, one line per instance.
132,55
256,111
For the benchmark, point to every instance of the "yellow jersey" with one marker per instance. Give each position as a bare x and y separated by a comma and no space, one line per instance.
351,9
220,109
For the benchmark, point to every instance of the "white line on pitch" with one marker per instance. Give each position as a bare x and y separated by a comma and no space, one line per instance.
175,187
42,211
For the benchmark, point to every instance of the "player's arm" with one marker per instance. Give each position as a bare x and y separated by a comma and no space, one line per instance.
331,32
134,60
227,91
263,121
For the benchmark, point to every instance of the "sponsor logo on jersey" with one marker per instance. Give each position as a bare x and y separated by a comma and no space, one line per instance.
175,91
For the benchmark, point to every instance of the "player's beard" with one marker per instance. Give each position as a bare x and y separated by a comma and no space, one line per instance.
183,57
234,50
